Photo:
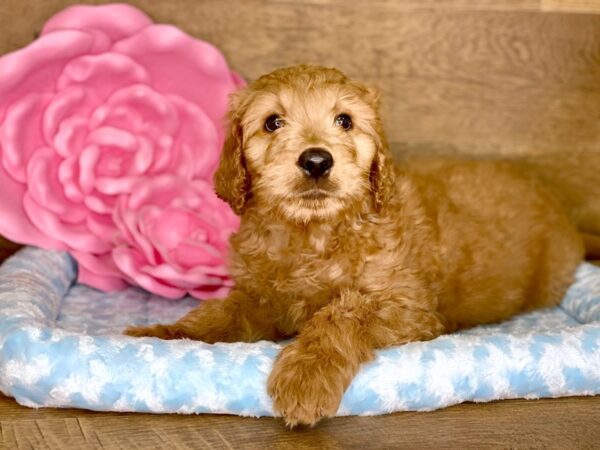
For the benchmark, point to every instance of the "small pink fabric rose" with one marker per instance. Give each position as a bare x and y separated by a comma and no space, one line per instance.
174,234
98,107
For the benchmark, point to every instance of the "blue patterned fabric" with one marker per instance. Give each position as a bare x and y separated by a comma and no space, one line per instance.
60,346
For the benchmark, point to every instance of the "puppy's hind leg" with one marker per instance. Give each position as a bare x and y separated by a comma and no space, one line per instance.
236,318
562,251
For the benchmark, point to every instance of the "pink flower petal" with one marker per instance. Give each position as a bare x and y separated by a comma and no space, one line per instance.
184,280
102,226
159,190
170,228
127,222
36,67
65,121
113,137
87,168
101,75
207,292
198,143
100,265
143,156
115,186
101,282
45,188
18,139
68,174
14,222
140,109
130,262
182,161
184,66
116,20
71,136
189,255
74,236
190,278
100,204
163,154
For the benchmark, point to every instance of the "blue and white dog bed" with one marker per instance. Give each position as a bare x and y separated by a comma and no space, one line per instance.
60,346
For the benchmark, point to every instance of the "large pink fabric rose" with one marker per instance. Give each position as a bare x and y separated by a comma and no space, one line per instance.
93,114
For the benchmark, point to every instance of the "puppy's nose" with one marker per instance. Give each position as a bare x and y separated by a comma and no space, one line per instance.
315,162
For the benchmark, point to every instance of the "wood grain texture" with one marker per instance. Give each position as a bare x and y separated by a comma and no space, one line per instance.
571,6
568,423
474,76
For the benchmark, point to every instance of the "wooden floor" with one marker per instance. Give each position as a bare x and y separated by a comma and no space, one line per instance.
568,423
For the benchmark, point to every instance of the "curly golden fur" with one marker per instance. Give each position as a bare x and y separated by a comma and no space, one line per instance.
372,255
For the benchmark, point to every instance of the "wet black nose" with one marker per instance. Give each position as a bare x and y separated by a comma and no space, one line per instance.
316,162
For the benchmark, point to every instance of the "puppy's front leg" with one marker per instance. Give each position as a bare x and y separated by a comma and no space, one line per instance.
236,318
312,373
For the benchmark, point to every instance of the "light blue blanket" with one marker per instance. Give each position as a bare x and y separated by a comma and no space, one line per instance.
60,346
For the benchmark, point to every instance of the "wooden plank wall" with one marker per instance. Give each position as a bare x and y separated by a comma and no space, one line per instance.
502,76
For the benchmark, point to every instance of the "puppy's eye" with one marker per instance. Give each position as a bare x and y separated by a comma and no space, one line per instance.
344,121
273,123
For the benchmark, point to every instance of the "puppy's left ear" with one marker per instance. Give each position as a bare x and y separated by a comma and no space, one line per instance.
382,176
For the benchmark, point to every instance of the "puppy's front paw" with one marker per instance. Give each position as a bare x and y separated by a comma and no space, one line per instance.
304,386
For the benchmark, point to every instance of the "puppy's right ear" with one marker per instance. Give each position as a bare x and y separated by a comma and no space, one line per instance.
232,182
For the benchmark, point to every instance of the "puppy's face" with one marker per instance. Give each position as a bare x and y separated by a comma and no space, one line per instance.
304,140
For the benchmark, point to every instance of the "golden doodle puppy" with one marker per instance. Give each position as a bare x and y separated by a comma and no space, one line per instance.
349,253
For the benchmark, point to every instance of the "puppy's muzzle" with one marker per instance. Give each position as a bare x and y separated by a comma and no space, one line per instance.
315,162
